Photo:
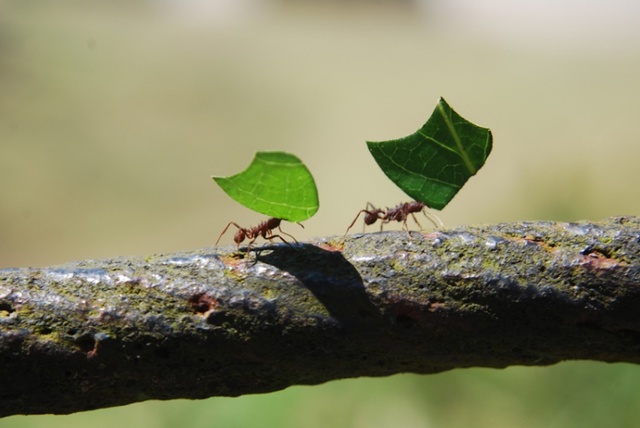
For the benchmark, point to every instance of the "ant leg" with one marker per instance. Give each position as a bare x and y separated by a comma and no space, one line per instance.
434,219
225,230
405,227
354,222
285,233
281,238
414,219
248,250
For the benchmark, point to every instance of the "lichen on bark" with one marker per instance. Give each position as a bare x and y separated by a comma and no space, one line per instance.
94,334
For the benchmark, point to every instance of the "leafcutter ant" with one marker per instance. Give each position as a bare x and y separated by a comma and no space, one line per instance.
399,213
264,229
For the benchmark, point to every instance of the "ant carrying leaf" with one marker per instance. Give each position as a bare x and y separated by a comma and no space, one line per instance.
431,165
399,213
264,230
276,184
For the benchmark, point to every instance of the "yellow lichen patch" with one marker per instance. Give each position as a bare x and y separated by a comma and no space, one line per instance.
332,245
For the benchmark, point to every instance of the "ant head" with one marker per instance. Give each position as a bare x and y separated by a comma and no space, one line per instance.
371,217
239,236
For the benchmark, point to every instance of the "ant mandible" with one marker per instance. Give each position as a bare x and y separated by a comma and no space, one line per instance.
399,213
264,229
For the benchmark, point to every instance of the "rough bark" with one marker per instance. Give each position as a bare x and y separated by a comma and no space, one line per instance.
95,334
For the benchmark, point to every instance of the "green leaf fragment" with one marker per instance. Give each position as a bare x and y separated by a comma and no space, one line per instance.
433,164
276,184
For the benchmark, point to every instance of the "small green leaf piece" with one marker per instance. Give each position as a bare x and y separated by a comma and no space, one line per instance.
276,184
432,164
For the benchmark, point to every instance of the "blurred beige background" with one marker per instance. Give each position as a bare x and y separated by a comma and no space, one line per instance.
114,115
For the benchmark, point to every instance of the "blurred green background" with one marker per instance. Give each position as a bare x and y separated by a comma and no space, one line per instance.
114,115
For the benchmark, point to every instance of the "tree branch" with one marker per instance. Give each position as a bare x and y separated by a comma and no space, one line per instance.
95,334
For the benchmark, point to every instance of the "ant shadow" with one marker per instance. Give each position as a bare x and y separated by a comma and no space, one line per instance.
332,279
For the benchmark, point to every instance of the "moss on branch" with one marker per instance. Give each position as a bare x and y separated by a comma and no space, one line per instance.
95,334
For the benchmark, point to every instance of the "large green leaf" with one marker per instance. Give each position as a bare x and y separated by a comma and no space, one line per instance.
276,184
432,164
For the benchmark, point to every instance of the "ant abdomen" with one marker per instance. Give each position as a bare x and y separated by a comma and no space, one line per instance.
272,223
